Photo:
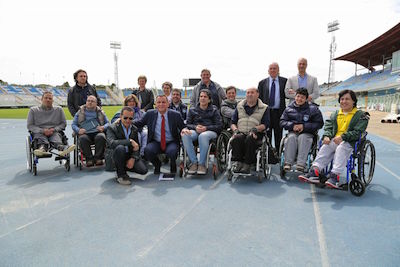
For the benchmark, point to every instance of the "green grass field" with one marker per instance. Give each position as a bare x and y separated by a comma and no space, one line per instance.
22,113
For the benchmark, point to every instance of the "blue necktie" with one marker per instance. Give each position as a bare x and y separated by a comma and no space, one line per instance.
272,94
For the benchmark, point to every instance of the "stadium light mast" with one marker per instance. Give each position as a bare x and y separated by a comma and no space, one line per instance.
115,45
332,27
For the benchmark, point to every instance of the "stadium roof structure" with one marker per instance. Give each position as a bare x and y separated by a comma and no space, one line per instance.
377,51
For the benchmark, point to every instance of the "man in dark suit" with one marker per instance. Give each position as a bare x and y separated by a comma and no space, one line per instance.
164,127
122,137
272,93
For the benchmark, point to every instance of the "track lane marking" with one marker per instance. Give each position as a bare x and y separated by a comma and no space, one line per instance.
320,229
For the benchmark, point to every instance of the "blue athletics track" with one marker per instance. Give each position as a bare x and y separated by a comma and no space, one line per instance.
84,218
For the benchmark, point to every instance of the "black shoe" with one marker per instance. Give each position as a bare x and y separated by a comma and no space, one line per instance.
173,166
157,167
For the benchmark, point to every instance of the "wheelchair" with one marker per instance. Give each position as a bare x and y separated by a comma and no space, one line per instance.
222,148
79,158
185,161
310,158
360,167
32,160
261,167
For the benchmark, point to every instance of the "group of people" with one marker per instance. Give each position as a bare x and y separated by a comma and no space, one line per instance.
143,130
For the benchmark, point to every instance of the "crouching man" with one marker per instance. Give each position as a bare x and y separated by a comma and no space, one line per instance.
122,137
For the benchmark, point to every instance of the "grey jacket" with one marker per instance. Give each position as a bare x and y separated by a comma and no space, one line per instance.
194,99
40,118
312,86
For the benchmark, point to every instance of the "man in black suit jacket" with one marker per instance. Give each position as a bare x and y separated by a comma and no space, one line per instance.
122,137
173,125
275,100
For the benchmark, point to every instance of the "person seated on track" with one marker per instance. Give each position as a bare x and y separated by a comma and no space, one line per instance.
176,103
342,130
302,120
249,121
228,106
133,102
164,126
90,124
46,123
122,137
203,124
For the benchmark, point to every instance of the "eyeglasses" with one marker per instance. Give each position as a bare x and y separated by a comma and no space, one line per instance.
128,118
93,101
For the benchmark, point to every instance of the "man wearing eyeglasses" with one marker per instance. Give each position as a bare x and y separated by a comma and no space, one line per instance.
122,137
78,94
164,126
90,124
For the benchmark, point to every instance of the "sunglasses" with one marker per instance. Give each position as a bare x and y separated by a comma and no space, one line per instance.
128,118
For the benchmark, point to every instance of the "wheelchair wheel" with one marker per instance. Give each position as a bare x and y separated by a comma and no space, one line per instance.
29,155
220,153
282,157
264,160
366,162
357,187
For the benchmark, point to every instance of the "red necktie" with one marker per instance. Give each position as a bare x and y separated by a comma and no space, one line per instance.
163,143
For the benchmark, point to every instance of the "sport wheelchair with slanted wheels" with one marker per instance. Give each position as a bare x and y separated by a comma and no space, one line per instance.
33,160
261,167
310,157
359,170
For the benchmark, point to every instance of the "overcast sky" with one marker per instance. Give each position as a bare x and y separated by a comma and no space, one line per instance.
45,41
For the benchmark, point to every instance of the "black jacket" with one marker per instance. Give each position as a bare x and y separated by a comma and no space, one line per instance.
116,136
147,98
75,99
308,115
209,118
263,89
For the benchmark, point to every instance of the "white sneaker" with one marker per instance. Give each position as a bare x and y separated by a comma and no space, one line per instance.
41,152
193,169
201,169
68,150
124,180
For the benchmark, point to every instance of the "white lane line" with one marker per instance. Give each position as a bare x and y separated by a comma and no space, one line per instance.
50,214
388,170
170,227
320,230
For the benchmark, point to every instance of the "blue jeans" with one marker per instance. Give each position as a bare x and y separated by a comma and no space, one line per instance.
204,141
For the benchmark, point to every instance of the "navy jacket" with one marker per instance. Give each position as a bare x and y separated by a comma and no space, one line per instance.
150,119
209,118
308,115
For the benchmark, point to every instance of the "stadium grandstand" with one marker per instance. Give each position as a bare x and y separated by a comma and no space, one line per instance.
26,96
377,82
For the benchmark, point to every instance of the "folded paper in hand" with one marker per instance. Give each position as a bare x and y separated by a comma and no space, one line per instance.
90,125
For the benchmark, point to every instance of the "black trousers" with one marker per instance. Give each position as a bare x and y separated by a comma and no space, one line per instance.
120,157
275,117
244,148
99,141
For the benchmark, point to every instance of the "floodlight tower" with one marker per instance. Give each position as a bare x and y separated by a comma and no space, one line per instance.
332,27
115,45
